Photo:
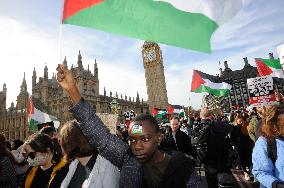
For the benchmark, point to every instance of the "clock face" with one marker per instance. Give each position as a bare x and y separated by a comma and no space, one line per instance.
150,55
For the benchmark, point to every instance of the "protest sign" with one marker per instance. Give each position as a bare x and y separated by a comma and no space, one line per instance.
261,91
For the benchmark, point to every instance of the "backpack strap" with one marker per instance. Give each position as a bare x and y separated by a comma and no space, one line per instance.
272,150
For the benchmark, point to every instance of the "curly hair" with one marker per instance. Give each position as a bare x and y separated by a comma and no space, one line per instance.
272,126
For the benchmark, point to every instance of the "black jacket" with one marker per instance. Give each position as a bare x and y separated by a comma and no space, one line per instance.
179,173
182,144
214,135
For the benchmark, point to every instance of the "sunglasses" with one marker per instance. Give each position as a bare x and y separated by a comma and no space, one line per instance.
29,155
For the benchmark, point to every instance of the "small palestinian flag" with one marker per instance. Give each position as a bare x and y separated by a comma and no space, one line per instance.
270,67
158,113
180,112
202,82
36,117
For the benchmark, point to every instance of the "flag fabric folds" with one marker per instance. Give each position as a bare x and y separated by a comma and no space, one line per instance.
35,116
270,67
280,51
202,82
183,23
159,113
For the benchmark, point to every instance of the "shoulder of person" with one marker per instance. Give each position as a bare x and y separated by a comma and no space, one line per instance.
179,158
180,132
4,159
180,165
261,143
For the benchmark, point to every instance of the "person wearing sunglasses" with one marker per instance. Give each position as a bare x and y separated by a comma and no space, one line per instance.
38,150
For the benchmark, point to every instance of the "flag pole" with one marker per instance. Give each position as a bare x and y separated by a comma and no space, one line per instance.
59,48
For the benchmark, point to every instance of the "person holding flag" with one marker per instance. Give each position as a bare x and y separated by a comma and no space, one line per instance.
159,169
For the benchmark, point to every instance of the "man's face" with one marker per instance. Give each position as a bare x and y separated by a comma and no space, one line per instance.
174,125
143,140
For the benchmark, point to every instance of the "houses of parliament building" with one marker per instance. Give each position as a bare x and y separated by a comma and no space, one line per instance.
49,97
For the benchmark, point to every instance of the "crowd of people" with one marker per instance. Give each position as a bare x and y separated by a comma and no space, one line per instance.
147,154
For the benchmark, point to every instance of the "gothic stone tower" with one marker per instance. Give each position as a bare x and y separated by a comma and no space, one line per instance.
154,73
3,95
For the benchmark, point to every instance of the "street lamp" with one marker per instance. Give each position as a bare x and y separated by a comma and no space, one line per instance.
115,106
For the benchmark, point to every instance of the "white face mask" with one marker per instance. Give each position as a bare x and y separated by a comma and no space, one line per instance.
37,161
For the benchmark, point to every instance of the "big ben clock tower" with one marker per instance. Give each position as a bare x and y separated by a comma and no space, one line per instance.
154,73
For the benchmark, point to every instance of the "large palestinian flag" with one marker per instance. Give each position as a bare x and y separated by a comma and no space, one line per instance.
270,67
202,82
182,23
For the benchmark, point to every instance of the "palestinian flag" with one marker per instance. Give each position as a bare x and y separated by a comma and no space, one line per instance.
270,67
202,82
182,23
36,117
180,112
158,113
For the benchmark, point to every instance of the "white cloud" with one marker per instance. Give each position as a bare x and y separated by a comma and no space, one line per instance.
26,46
251,33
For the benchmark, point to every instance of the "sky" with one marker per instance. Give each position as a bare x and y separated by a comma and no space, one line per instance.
31,36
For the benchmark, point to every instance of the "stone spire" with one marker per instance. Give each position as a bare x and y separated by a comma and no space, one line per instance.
45,73
80,64
34,78
104,91
226,64
96,72
271,56
137,97
24,84
246,61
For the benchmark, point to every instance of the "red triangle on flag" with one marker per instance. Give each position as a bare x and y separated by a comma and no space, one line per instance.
170,110
197,80
262,68
154,112
71,7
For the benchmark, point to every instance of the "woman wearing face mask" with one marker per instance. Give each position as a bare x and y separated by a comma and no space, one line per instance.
87,168
45,172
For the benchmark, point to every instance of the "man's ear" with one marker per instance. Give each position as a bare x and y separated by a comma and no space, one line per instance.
159,137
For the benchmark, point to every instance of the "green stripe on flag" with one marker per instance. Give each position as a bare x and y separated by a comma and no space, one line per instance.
274,63
216,92
33,125
149,20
